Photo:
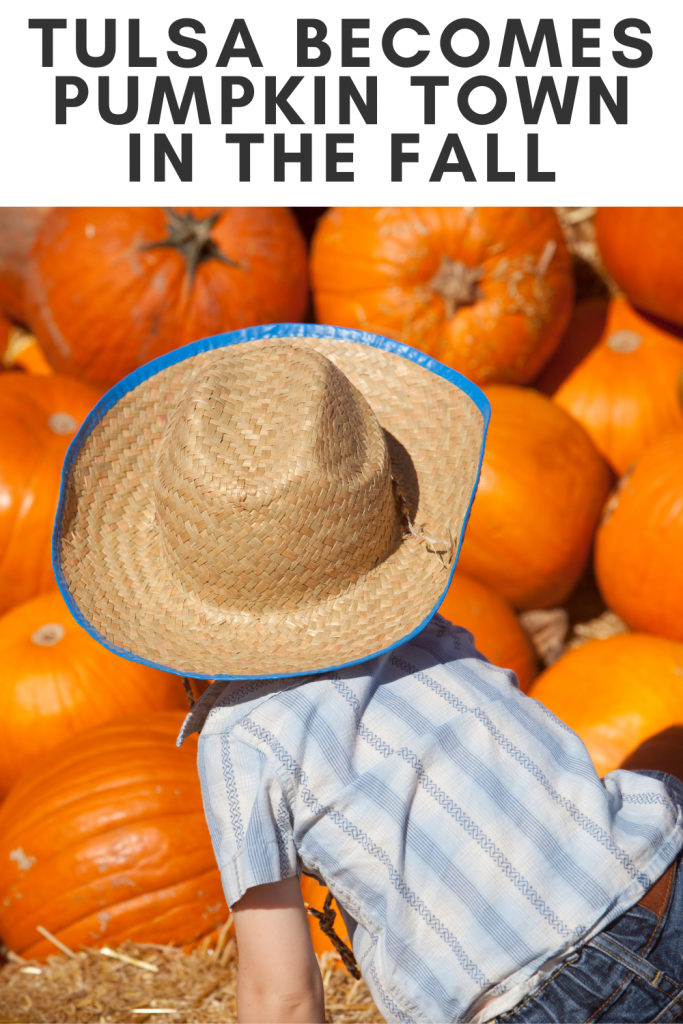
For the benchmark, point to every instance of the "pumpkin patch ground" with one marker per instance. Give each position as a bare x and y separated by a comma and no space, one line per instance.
194,988
570,572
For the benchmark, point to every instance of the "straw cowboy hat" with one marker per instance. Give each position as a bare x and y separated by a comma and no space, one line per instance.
276,501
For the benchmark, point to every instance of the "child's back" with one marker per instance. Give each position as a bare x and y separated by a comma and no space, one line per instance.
458,822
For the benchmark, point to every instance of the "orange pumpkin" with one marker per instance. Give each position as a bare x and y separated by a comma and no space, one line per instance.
18,228
627,391
56,681
642,247
662,752
487,291
110,289
4,335
541,490
493,624
616,693
38,418
105,840
639,544
585,328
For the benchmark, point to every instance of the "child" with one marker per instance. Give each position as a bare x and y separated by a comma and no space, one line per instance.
281,510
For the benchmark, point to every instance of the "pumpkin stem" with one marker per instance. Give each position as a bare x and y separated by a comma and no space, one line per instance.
191,236
624,341
49,634
62,423
456,284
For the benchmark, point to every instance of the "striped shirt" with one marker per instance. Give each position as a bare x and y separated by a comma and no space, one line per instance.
460,825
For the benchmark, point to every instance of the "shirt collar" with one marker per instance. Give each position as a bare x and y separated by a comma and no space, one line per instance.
230,692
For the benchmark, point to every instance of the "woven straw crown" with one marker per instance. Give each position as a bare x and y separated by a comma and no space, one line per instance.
273,482
241,511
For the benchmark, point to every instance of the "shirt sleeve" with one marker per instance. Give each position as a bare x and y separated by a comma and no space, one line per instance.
247,813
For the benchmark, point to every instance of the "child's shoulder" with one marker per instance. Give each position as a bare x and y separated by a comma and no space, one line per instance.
447,642
442,657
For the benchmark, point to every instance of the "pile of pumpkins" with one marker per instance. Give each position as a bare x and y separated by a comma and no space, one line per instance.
103,839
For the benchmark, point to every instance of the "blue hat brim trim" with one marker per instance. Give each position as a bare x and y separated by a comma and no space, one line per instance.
123,387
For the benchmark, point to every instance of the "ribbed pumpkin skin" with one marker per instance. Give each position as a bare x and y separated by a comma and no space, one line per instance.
53,687
626,398
541,490
18,228
584,330
639,544
101,303
616,693
38,418
642,247
493,624
375,267
104,840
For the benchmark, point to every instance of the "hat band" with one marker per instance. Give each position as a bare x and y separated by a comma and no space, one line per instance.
443,549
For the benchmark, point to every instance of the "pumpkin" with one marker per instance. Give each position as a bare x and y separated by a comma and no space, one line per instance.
21,351
56,681
627,391
541,490
493,624
662,752
642,247
487,291
38,418
110,289
105,840
585,328
616,693
5,328
668,326
639,544
18,228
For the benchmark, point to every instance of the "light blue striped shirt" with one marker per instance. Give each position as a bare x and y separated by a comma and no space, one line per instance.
460,824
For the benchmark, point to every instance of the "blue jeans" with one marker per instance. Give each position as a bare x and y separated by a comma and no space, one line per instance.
630,972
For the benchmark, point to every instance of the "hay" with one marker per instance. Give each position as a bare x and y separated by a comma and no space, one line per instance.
198,987
547,629
552,635
601,628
